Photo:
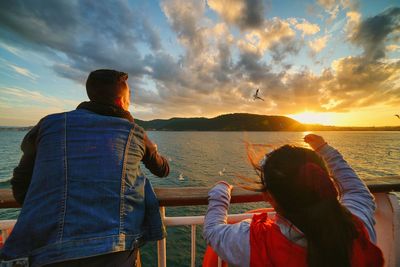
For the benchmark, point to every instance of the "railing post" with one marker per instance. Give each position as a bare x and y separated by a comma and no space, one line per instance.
193,249
162,245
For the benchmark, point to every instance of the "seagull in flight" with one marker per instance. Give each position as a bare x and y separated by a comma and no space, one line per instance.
255,96
397,115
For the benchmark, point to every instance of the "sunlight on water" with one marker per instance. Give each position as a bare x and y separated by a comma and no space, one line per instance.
204,158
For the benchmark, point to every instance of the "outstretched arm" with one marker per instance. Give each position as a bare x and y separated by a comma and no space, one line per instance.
355,194
22,174
229,241
157,164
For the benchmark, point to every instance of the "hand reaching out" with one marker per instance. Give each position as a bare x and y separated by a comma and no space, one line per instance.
230,187
315,141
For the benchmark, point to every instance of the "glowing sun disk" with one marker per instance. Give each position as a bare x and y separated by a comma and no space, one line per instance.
313,118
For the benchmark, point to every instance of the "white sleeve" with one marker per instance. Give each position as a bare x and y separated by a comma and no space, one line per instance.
229,241
355,195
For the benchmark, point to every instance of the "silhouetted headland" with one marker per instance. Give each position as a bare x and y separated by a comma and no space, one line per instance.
247,122
237,122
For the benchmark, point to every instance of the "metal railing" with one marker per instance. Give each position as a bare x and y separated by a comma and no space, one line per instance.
193,196
193,221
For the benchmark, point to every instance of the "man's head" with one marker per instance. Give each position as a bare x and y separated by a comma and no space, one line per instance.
109,87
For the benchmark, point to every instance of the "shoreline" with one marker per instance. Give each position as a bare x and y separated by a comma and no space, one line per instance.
333,129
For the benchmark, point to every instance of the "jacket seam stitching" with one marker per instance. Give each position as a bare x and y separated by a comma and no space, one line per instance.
122,193
64,200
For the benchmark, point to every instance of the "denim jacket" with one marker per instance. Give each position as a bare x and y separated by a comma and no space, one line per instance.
87,195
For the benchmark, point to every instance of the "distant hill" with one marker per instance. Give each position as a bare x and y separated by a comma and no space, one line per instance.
318,127
247,122
236,122
227,122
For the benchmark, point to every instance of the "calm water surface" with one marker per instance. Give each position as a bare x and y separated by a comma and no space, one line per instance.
203,158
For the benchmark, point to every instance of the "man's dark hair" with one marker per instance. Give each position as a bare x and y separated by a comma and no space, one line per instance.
104,86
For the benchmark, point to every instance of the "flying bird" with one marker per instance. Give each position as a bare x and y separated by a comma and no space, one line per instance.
255,96
397,115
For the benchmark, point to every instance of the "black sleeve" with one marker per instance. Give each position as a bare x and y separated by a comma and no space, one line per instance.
157,164
23,172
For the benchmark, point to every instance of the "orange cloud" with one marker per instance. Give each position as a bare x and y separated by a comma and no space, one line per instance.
317,45
307,28
392,48
272,32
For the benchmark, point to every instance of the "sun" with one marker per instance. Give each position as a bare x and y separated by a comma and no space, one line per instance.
313,118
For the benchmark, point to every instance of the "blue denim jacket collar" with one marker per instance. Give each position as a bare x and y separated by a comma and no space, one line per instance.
106,110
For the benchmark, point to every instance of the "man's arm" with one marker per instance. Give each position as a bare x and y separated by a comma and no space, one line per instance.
23,172
157,164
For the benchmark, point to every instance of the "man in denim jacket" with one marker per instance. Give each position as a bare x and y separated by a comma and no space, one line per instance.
85,199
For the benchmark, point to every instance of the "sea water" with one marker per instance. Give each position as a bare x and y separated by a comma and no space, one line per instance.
203,158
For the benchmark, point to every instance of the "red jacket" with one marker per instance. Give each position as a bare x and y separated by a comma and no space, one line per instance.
269,247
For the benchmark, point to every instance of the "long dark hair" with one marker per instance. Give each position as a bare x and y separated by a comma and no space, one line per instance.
299,181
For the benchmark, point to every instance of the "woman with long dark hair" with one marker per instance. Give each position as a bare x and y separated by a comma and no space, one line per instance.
319,221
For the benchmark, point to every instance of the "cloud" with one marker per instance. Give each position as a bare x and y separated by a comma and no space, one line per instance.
317,45
246,14
19,106
11,49
353,83
206,68
304,89
7,65
23,71
347,85
274,36
286,46
353,21
328,4
333,7
373,32
68,30
220,61
186,18
22,96
274,33
392,48
258,33
305,26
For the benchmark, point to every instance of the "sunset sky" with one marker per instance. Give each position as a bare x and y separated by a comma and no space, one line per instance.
326,61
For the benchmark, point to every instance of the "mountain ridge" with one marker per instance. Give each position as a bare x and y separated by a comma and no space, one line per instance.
237,122
225,122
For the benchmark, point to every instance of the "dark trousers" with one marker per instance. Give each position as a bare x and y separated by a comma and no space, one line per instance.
116,259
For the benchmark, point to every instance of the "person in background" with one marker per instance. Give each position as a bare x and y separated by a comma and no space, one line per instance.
85,201
314,225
